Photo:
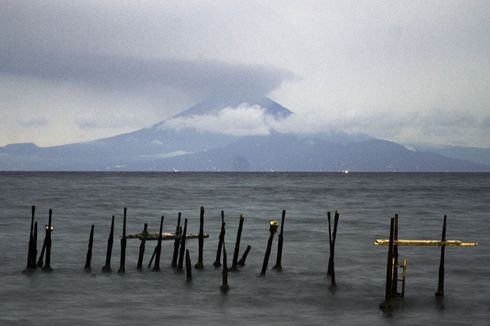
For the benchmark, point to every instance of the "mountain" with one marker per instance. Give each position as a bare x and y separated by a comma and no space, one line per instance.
163,148
473,154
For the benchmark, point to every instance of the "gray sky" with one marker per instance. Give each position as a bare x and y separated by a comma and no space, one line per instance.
409,71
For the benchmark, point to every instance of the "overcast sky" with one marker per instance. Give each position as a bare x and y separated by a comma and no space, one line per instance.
409,71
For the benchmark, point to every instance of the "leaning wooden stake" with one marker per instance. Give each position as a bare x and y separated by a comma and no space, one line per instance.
180,265
217,262
141,251
110,242
332,239
47,263
40,261
158,250
234,264
176,242
278,265
272,229
29,265
242,260
224,286
389,269
88,259
200,264
440,283
122,264
188,266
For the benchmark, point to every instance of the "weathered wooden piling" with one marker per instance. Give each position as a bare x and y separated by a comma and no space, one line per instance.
152,257
395,258
332,239
389,269
141,251
47,263
272,229
278,265
110,242
440,283
200,264
178,233
217,262
158,250
122,263
40,261
180,264
34,250
242,260
88,259
224,286
234,264
188,266
30,266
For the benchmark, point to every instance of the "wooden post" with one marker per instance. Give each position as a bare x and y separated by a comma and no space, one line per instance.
40,261
47,263
152,257
180,265
188,266
122,263
389,270
440,283
242,260
224,286
332,240
234,264
272,230
34,250
200,264
217,262
278,265
88,259
141,252
395,258
158,250
110,242
176,242
29,265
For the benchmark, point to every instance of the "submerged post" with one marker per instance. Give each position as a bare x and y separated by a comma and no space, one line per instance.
395,258
47,264
200,264
176,242
234,264
110,242
40,261
224,285
122,264
217,262
34,249
440,283
88,259
158,250
272,229
29,265
141,251
242,260
180,265
389,270
188,266
332,240
278,265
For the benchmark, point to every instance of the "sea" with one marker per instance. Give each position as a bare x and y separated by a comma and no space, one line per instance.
299,295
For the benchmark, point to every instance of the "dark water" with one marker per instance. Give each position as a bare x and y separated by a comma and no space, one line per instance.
298,295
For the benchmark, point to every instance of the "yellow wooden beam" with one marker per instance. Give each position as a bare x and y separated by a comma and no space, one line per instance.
425,243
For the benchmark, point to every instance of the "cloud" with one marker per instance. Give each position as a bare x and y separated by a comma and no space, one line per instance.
202,77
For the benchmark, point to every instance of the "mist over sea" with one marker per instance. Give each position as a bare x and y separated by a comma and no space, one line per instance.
299,295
